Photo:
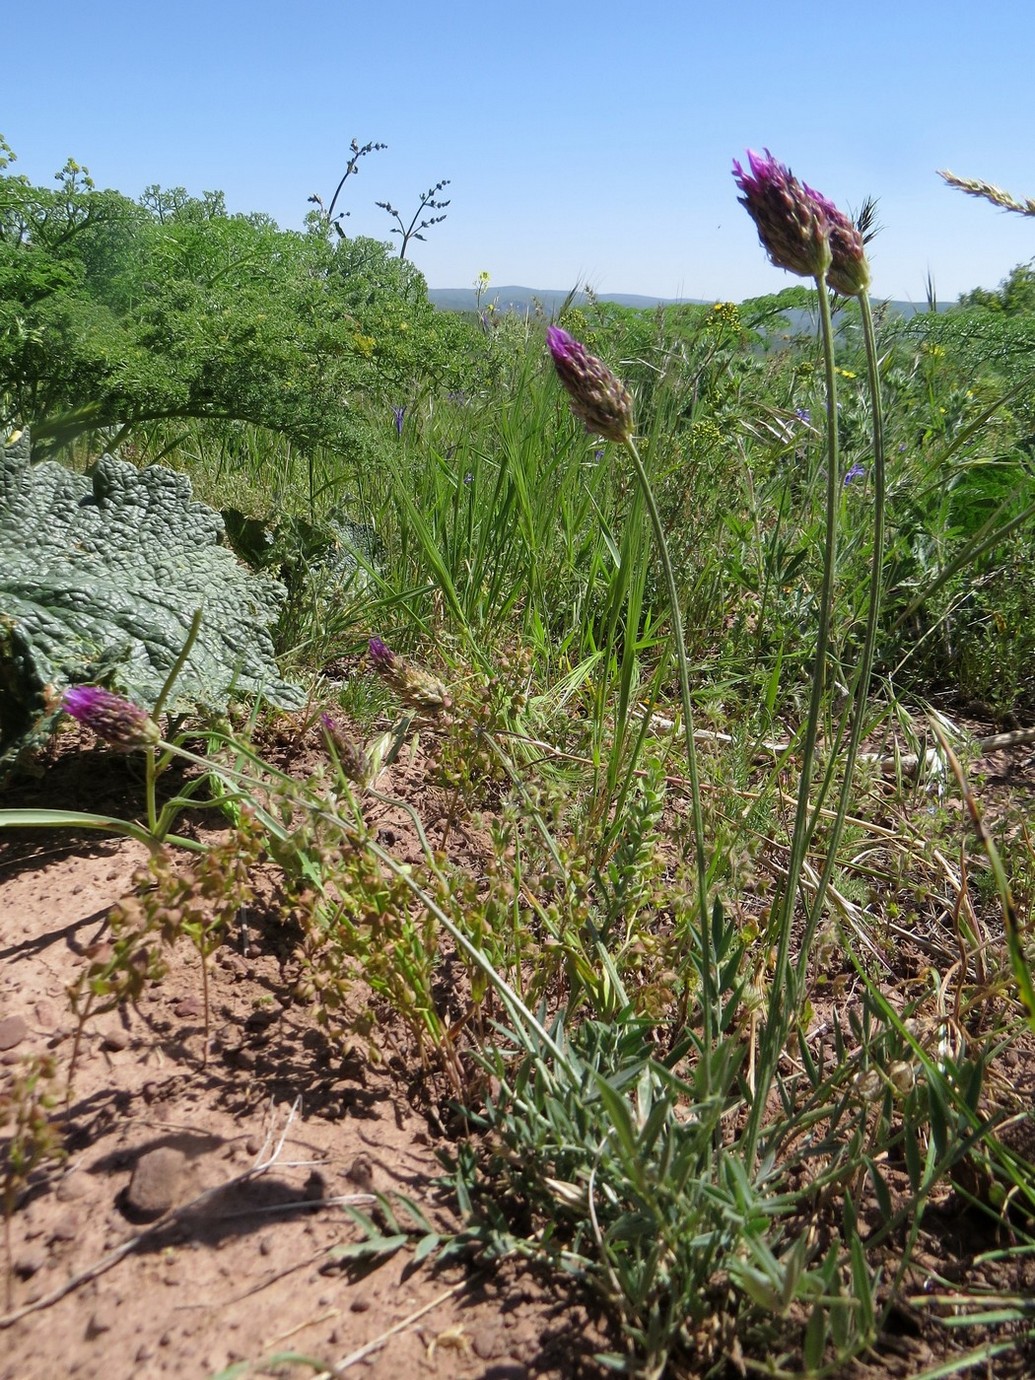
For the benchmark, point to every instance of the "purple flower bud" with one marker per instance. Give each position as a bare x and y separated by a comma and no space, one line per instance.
399,413
792,225
414,686
856,472
849,273
803,415
599,399
118,721
382,657
352,756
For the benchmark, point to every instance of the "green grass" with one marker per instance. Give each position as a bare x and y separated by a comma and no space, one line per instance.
715,1094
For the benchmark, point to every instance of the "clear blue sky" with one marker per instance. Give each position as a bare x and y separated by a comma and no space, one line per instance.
585,140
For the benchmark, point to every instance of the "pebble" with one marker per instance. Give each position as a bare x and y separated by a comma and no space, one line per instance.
72,1187
102,1320
359,1304
29,1261
487,1344
115,1040
47,1015
13,1030
66,1228
155,1182
189,1008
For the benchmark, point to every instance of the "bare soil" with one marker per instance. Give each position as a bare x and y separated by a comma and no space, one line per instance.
192,1225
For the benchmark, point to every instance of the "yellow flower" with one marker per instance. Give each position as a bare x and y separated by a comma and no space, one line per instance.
847,373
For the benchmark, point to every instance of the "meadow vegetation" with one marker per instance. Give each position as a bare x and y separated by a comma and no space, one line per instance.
733,962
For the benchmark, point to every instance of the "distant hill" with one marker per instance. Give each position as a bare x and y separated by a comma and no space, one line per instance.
522,299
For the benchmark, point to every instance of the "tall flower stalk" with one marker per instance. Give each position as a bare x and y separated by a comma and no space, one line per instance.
602,402
805,233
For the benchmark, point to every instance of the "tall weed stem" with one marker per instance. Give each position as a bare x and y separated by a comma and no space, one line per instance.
697,812
783,991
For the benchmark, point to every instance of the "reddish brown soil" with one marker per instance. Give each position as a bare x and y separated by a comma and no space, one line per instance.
245,1273
151,1250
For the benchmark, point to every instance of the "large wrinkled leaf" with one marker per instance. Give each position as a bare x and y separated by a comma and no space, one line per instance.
100,577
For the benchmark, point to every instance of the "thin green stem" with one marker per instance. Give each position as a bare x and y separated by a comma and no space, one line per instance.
696,810
783,991
860,688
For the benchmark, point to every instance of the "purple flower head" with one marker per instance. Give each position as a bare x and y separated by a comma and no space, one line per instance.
803,415
382,657
352,756
792,225
399,413
849,273
799,228
118,721
599,399
414,686
856,472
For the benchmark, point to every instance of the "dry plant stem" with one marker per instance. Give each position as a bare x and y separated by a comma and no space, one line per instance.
1011,920
697,813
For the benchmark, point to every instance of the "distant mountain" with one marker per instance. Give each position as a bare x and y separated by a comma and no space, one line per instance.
522,299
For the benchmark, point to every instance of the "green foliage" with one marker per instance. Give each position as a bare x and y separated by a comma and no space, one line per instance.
101,578
116,314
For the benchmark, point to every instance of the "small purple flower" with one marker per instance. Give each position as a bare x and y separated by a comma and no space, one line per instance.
856,472
399,414
352,756
792,225
382,658
118,721
599,399
800,229
803,415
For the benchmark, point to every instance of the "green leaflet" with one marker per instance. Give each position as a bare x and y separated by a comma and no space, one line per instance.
100,576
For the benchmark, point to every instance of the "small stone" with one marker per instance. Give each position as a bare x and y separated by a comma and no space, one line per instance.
149,1091
66,1228
47,1015
265,1246
189,1008
29,1262
13,1030
102,1320
73,1187
487,1344
245,1059
153,1187
115,1040
253,1145
361,1172
359,1304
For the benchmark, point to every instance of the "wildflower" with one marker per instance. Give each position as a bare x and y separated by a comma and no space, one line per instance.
793,227
801,229
118,721
414,686
856,472
399,413
803,415
352,756
599,399
849,273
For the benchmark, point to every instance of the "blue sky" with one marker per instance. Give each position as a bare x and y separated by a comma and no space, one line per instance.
585,142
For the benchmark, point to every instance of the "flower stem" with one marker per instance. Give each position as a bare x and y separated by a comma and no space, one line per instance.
784,986
697,813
